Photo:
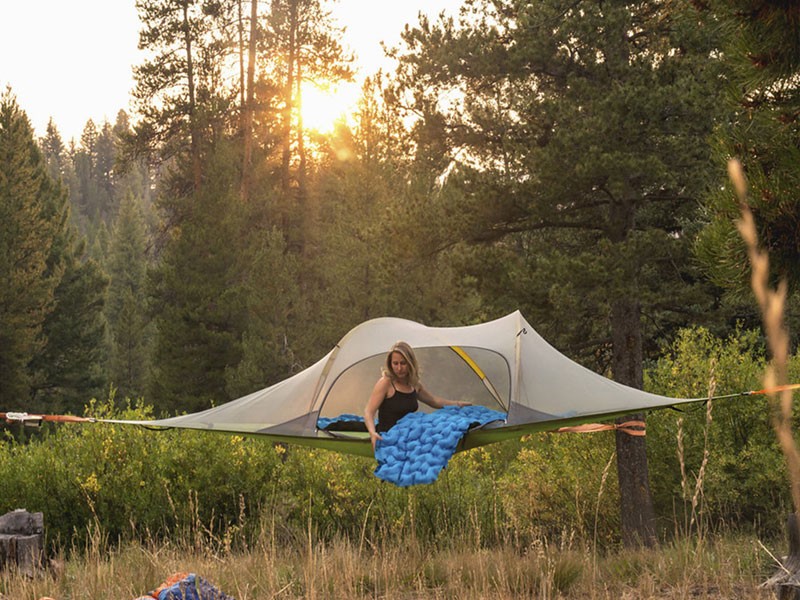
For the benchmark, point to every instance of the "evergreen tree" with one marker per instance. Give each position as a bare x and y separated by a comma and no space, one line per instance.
104,173
574,134
271,295
197,295
761,40
26,238
126,306
51,299
131,176
70,369
90,196
303,45
55,152
181,93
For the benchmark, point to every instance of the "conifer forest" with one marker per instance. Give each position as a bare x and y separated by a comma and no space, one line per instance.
568,159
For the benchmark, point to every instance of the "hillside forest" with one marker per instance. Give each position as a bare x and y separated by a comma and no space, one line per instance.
567,159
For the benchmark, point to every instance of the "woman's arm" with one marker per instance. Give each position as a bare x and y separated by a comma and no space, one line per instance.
373,404
435,401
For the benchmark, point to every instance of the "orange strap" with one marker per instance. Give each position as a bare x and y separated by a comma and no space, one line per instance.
777,388
636,428
11,417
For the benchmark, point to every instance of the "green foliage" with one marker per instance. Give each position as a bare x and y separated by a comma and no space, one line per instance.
135,482
575,151
745,481
127,478
197,293
270,293
27,234
131,333
760,42
71,365
51,298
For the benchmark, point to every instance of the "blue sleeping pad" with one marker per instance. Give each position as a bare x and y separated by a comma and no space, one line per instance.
340,421
420,445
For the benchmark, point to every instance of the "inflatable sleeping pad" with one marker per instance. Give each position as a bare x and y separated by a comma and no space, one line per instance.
345,422
420,445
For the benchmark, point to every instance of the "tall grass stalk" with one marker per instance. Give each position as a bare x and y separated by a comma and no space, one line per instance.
693,524
602,487
771,302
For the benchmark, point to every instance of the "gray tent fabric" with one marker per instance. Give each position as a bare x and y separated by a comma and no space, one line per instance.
503,364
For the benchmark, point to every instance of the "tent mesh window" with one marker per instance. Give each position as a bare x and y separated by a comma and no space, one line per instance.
476,375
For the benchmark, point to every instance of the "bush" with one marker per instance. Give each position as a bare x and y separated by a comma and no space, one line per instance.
744,483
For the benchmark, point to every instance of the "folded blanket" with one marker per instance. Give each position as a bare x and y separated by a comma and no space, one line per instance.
420,445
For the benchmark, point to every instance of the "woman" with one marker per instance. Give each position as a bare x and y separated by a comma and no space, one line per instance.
397,391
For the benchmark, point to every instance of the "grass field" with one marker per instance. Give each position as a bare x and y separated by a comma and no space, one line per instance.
725,567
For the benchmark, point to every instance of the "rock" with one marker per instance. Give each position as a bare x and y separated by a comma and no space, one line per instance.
22,522
22,541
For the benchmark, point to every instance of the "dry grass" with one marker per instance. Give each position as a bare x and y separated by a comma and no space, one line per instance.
723,568
771,302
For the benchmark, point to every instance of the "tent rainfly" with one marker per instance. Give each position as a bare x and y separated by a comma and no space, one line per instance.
503,365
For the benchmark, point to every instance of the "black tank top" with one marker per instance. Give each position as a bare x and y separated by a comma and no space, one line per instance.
395,408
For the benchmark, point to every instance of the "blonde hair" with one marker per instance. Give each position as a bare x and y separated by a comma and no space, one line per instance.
407,353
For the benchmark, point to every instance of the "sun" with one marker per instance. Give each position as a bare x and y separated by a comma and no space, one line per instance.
323,105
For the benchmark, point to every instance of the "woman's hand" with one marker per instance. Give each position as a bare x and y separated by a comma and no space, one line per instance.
461,403
374,436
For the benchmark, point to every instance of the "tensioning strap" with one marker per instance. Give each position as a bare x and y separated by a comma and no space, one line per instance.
636,428
29,419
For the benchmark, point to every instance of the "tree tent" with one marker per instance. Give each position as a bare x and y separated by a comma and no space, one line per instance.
503,365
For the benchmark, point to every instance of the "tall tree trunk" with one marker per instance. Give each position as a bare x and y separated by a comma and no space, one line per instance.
636,504
248,102
288,109
304,206
193,125
240,29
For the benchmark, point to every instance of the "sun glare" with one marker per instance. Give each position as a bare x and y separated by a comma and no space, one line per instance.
324,106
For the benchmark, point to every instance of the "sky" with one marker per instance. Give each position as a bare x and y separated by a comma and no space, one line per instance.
72,61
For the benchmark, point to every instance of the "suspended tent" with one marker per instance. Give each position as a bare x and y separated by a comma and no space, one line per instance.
516,382
502,365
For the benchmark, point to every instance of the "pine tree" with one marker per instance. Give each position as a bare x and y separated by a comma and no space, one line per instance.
71,367
303,44
197,294
104,173
761,40
26,238
271,295
55,152
52,299
572,139
132,176
126,308
89,194
181,94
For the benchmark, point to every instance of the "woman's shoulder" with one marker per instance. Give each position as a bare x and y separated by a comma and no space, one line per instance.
384,382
